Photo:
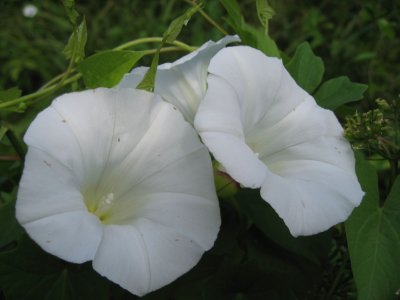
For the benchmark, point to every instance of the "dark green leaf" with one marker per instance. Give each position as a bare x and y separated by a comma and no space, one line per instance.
10,229
75,48
373,235
338,91
28,273
15,141
10,94
306,68
106,69
3,130
313,248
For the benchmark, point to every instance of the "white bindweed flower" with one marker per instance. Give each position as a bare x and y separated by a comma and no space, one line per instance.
268,132
182,83
118,177
29,11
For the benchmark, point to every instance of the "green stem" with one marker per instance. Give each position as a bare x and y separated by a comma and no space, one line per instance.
40,92
178,44
54,85
207,17
52,81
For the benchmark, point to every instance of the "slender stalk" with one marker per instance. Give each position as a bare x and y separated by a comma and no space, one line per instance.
178,44
18,146
62,80
40,92
337,279
208,18
52,81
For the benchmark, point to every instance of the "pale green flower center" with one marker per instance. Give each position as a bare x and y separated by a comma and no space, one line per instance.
99,204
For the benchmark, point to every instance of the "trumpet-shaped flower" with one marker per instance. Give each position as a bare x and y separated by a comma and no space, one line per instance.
182,83
118,177
268,133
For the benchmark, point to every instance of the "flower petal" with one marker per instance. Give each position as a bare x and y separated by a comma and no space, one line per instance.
308,174
183,82
150,255
311,196
51,209
135,194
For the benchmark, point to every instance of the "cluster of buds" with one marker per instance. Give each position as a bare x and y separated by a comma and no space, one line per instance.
377,130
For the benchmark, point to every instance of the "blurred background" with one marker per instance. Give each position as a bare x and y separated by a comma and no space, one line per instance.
359,39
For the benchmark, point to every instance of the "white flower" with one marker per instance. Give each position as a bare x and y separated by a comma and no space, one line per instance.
268,132
182,83
29,11
118,177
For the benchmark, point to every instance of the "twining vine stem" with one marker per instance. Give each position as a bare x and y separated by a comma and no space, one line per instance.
62,79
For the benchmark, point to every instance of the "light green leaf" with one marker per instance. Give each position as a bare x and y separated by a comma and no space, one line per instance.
338,91
265,13
106,69
75,48
10,94
170,35
260,40
373,236
149,79
177,24
235,18
72,14
306,68
28,273
254,37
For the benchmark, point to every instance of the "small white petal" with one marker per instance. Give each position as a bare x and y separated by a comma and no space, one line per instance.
123,258
311,196
281,140
78,243
183,82
56,192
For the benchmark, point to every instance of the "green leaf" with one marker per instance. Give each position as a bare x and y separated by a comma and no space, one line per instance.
373,236
306,68
235,18
254,37
72,14
28,273
75,48
313,248
265,13
258,39
10,228
177,24
149,79
106,69
338,91
10,94
170,35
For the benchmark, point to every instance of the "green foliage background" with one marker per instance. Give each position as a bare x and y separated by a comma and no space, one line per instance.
254,257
